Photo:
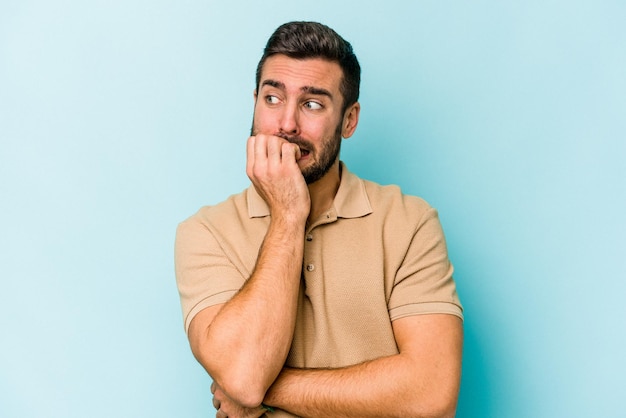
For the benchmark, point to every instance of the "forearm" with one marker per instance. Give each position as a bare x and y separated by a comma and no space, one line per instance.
246,344
365,390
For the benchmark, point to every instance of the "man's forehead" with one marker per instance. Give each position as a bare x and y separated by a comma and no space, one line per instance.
301,73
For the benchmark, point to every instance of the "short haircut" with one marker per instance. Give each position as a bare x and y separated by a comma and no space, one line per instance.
301,40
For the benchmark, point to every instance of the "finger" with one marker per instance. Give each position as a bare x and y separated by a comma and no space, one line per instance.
274,149
213,386
298,152
291,152
260,148
216,403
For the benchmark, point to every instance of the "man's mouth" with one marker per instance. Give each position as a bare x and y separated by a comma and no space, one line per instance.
305,147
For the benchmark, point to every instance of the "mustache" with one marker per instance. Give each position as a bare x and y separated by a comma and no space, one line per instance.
298,140
294,139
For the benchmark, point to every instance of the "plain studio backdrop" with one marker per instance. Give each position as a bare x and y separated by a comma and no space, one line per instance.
119,119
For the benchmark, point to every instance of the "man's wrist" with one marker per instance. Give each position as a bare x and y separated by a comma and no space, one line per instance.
289,220
273,394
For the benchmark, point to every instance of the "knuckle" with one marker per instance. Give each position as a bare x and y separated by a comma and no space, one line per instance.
257,172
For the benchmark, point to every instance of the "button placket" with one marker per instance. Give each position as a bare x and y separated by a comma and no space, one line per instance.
309,266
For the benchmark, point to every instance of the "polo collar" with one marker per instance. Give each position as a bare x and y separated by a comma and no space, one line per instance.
351,200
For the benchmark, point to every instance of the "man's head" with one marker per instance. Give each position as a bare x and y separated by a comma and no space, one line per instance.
306,93
301,40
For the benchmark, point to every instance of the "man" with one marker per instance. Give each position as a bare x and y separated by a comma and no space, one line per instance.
315,293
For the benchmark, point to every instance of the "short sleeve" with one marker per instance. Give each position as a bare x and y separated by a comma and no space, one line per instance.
204,274
424,283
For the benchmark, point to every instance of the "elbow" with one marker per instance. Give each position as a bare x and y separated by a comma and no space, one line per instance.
239,385
245,392
235,375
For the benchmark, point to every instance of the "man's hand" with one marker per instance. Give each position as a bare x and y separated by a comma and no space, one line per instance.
272,166
226,407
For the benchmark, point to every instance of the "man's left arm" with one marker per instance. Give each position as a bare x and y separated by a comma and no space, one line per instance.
421,381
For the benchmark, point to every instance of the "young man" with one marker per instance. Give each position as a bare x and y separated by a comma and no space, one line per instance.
315,293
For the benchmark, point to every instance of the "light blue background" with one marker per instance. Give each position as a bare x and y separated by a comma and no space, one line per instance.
118,119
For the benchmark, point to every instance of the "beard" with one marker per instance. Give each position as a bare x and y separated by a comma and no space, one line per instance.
324,159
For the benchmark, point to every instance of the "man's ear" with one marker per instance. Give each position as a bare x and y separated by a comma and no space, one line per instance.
350,120
254,94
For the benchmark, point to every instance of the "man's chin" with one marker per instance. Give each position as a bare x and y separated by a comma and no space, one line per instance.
313,174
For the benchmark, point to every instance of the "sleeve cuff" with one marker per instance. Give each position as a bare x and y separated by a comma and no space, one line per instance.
221,297
425,308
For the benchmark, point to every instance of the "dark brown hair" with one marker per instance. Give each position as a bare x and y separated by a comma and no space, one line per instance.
302,40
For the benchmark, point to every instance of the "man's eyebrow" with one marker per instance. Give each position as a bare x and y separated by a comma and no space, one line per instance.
273,83
306,89
317,91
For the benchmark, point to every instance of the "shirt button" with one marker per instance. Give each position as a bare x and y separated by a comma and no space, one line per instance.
310,267
309,237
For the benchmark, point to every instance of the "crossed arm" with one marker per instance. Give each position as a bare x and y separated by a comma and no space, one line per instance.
421,381
243,343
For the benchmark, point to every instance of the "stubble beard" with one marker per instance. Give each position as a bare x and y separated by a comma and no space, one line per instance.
325,158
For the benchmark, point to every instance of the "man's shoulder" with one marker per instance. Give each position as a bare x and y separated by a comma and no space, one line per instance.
391,198
228,224
235,206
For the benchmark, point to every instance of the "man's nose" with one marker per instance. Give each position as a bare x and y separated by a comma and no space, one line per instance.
289,121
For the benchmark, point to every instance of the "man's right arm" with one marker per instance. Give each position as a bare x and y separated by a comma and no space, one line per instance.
243,343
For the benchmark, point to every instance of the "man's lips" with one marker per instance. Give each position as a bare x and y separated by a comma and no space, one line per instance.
303,154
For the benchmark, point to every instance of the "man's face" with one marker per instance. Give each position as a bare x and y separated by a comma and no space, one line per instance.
300,101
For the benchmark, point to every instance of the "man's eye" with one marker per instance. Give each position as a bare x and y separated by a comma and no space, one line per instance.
271,99
313,105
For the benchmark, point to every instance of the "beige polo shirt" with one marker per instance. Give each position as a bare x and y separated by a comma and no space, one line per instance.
375,256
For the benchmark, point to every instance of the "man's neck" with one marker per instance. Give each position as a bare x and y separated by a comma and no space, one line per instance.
323,192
